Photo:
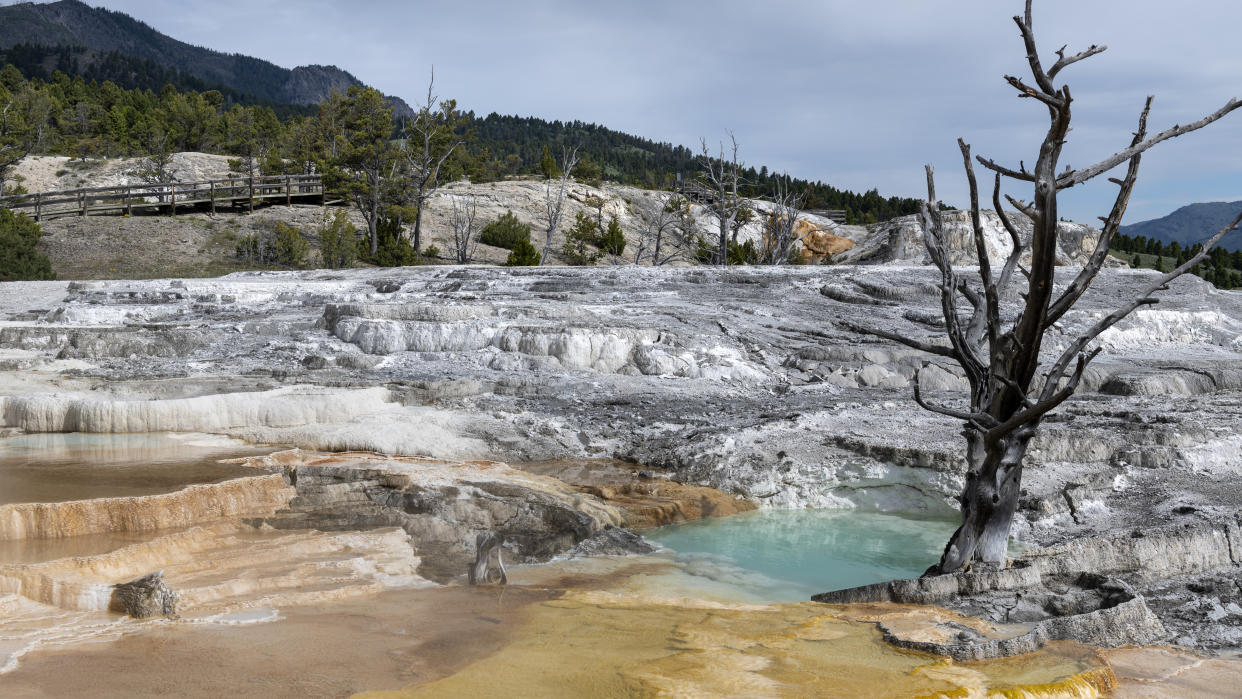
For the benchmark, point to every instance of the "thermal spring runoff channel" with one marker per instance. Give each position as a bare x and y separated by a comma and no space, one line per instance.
789,555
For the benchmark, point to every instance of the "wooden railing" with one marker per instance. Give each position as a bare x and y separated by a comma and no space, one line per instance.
167,196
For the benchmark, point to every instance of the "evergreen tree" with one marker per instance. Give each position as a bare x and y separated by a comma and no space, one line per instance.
360,155
547,165
20,259
612,242
524,254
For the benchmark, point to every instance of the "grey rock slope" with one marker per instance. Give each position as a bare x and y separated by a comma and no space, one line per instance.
745,379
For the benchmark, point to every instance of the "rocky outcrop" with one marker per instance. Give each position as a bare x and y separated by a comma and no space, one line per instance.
900,241
147,596
443,506
1083,590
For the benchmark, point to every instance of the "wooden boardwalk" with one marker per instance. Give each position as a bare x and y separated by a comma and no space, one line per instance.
168,197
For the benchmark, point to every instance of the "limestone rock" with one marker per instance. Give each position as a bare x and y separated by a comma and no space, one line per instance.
147,596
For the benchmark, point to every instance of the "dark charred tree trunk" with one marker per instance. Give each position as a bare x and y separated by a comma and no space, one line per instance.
999,349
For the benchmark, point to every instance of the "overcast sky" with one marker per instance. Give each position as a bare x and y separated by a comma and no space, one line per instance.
857,94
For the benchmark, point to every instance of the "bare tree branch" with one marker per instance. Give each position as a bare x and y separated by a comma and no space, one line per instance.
1145,298
1089,271
910,342
1064,61
1077,177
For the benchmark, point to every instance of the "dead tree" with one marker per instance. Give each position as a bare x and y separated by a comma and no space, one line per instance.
554,200
430,140
1010,391
656,240
781,230
465,230
720,177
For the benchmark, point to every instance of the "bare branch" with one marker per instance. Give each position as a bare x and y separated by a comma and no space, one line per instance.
1047,402
978,420
1020,174
938,350
1025,25
1015,253
1079,176
1024,90
1064,62
1144,298
1111,223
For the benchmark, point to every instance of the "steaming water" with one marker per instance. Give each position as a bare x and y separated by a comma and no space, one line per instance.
789,555
79,466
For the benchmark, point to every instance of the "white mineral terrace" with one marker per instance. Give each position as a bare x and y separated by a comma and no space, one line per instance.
747,380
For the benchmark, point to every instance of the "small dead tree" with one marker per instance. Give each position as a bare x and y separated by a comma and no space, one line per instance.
554,199
1010,391
720,177
781,230
431,139
656,240
465,230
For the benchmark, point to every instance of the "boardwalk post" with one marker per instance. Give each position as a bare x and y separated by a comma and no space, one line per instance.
39,206
129,203
81,203
172,191
252,194
213,197
288,190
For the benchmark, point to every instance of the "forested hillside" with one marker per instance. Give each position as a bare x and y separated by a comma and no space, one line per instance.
128,72
91,115
69,23
516,144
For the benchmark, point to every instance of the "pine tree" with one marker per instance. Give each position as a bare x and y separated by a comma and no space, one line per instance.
612,241
547,165
19,258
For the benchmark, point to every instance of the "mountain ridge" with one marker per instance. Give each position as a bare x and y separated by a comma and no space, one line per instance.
1190,224
74,23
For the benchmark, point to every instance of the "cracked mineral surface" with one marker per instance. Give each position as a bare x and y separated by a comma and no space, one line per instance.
748,380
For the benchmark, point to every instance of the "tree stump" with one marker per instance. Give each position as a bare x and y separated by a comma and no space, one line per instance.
488,568
145,597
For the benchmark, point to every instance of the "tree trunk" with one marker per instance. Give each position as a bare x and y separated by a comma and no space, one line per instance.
989,501
371,229
418,225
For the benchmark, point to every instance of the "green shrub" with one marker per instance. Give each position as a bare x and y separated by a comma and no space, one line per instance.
338,241
505,232
279,245
431,251
579,240
20,260
523,255
613,241
291,248
394,250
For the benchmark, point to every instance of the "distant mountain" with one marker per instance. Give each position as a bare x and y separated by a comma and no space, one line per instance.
76,24
1191,224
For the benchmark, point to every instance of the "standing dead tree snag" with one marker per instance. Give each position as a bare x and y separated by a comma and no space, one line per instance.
1010,392
720,179
465,228
554,199
431,139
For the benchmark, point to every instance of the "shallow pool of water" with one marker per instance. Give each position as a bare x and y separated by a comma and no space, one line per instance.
78,466
789,555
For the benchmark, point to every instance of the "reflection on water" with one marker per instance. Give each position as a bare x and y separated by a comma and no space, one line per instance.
789,555
78,466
